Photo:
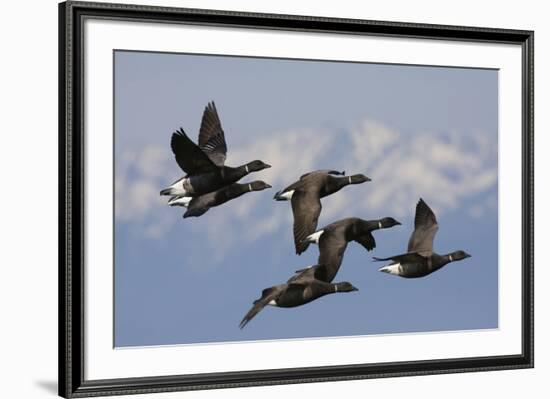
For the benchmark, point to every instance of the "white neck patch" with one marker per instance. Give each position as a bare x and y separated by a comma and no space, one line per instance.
335,288
349,179
379,224
451,258
246,168
249,187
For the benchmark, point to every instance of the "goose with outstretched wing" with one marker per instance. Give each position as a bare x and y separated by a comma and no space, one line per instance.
298,290
204,163
334,238
305,197
420,259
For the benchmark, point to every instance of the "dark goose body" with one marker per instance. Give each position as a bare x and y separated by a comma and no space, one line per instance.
298,291
305,196
420,260
197,206
204,164
414,265
333,240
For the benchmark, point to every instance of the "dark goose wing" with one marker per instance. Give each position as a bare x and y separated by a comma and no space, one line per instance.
331,253
425,227
211,136
306,208
189,156
268,295
367,241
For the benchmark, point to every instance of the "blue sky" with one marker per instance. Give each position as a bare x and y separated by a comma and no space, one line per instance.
417,131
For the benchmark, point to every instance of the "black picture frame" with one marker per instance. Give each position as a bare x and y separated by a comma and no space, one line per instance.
71,196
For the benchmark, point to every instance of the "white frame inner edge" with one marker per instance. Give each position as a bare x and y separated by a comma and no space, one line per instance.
103,361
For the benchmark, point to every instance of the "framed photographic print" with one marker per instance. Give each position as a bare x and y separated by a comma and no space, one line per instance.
253,199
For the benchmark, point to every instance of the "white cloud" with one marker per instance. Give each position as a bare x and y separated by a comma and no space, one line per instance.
136,183
444,168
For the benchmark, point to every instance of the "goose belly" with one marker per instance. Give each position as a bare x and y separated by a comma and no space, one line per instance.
407,270
293,298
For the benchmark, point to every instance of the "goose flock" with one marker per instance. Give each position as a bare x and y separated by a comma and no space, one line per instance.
208,183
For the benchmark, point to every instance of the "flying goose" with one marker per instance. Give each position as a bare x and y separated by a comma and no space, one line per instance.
196,206
305,195
298,290
420,260
204,164
333,241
